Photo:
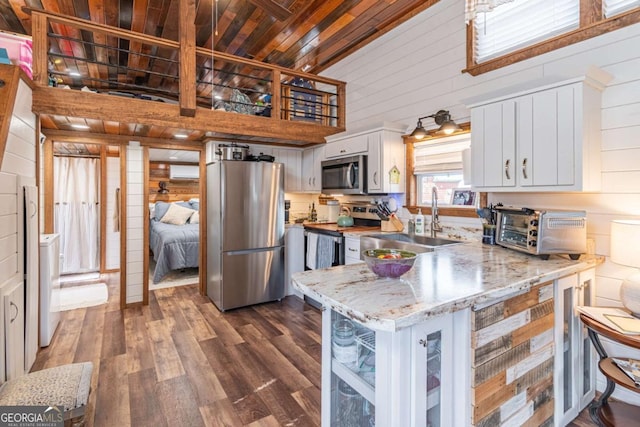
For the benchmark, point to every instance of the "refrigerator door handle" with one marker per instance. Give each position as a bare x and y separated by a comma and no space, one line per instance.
252,251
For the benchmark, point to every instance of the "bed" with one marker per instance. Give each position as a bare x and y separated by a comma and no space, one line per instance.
175,244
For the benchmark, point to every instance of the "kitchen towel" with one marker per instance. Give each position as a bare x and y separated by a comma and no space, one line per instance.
325,251
312,250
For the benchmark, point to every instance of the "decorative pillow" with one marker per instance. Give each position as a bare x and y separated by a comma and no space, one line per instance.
177,215
152,210
195,205
184,204
195,218
160,209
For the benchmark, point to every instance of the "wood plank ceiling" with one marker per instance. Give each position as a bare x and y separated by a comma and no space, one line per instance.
305,35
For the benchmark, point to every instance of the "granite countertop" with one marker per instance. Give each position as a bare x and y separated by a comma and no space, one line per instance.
449,279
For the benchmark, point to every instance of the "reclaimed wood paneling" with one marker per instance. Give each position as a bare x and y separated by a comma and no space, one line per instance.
512,360
179,190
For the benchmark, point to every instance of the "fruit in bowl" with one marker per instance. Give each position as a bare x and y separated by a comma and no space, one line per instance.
389,262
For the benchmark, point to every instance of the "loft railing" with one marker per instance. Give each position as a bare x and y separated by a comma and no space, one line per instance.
83,55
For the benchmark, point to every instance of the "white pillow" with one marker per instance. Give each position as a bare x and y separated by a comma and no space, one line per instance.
177,215
195,218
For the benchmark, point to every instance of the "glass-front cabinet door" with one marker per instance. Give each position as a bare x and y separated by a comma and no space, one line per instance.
575,359
352,372
432,373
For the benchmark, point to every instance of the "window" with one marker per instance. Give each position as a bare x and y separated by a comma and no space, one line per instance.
521,23
523,29
616,7
439,163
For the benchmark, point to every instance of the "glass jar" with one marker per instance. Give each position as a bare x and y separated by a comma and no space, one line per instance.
344,346
350,406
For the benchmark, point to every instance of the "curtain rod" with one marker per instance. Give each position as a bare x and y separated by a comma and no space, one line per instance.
85,156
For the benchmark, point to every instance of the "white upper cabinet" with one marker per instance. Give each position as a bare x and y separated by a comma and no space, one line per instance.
385,162
292,161
348,146
385,152
312,169
546,139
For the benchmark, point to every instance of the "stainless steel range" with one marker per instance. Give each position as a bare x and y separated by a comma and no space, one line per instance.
365,218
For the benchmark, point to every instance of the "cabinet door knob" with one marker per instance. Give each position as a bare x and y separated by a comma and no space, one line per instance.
314,180
506,169
375,178
524,169
309,181
423,342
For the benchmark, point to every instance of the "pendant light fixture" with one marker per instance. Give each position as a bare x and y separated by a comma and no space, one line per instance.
442,119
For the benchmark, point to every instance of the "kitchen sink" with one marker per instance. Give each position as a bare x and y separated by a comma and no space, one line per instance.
415,239
417,244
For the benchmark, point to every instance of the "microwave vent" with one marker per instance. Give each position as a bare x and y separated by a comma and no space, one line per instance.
565,223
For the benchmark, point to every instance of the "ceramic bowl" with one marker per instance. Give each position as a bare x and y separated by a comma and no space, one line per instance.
389,262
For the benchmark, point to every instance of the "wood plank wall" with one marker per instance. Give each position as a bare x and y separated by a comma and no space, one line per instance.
184,189
512,360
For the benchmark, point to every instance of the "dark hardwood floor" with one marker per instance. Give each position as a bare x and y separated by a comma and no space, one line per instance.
180,362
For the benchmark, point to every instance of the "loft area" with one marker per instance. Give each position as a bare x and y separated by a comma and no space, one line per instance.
94,76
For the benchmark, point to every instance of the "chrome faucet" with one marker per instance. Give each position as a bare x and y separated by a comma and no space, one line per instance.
435,219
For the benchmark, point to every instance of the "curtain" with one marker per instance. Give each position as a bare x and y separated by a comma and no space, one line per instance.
76,213
473,7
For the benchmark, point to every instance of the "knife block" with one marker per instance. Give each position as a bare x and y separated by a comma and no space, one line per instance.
393,224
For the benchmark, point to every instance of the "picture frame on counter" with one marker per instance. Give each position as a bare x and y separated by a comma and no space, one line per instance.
463,198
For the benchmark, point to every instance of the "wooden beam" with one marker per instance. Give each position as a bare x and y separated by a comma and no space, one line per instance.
48,185
590,12
81,137
9,77
272,8
40,49
187,38
49,100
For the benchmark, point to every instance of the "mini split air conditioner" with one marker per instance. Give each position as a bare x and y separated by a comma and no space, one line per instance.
184,172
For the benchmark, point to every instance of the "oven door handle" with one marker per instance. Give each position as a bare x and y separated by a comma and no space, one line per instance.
336,239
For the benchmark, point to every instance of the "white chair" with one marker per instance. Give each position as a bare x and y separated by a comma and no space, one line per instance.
67,386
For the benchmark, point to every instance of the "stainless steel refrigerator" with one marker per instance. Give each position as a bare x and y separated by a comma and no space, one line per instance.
245,232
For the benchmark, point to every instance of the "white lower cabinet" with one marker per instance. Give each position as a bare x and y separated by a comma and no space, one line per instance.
575,358
403,378
352,250
13,308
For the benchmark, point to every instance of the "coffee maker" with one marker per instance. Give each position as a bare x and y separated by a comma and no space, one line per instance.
287,206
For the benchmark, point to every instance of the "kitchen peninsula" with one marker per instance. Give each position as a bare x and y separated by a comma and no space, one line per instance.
471,326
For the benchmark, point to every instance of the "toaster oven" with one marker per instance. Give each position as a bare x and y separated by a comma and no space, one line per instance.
542,232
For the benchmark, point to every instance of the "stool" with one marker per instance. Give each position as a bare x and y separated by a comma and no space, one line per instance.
67,386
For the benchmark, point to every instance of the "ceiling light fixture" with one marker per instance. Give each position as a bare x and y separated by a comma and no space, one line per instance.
75,74
180,135
217,97
79,126
442,118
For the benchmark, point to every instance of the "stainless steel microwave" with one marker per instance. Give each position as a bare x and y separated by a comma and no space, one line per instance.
346,175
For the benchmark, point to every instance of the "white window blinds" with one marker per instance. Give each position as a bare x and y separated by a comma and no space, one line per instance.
615,7
443,154
515,25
